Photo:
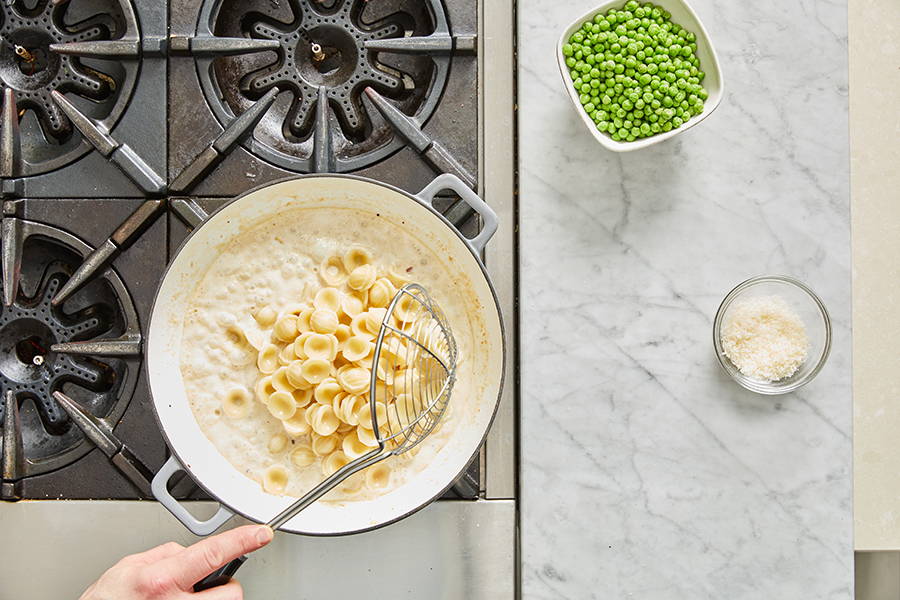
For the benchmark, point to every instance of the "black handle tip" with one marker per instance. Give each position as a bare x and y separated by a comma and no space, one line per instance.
220,576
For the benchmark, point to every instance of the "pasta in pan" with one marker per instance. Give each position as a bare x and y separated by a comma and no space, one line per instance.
279,368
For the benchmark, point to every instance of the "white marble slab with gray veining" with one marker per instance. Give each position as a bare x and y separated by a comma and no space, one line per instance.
646,473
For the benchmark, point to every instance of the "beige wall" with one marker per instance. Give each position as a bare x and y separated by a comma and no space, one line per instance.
875,190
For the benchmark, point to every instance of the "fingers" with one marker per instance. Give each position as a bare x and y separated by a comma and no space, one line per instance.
159,553
230,591
196,562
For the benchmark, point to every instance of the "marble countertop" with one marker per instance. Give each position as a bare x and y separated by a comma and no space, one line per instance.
646,473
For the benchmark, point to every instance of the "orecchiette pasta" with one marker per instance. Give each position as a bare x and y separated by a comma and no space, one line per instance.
286,356
324,445
357,348
378,476
324,421
286,328
264,388
294,373
374,318
323,321
321,345
314,354
365,416
267,359
381,293
303,455
361,278
342,334
406,309
281,405
353,379
332,271
275,479
303,321
315,370
356,257
353,447
277,443
328,299
266,316
367,437
281,382
352,304
236,403
335,461
327,390
296,425
302,397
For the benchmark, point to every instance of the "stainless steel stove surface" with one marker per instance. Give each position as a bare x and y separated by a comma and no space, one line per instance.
124,122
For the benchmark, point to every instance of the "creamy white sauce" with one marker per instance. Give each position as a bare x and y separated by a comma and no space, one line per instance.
271,264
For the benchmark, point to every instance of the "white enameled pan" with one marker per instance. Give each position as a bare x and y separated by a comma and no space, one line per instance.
194,453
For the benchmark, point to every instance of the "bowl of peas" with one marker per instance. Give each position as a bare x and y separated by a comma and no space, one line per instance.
639,73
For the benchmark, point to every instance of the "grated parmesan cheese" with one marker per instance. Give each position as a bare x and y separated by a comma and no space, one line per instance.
764,338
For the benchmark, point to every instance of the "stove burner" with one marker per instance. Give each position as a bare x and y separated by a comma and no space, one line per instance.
327,54
32,71
340,65
31,371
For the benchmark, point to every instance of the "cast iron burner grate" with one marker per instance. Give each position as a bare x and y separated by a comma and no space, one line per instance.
33,65
325,54
32,370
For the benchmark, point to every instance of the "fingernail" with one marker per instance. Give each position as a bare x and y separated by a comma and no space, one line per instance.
265,534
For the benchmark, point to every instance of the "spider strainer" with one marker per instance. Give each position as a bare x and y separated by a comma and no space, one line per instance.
413,373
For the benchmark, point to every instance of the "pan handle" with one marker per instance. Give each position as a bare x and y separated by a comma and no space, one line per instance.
489,219
161,492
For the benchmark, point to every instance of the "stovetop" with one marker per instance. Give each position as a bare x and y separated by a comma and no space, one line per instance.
122,123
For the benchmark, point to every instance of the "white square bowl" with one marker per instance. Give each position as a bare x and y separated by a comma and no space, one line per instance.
683,15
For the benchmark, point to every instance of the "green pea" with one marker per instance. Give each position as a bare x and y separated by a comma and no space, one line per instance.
567,50
570,62
677,122
584,98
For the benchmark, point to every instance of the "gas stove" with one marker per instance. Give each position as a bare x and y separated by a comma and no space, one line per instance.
124,122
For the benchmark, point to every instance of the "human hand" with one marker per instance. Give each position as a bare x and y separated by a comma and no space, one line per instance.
169,572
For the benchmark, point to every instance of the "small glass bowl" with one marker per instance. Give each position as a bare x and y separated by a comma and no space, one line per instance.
810,309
